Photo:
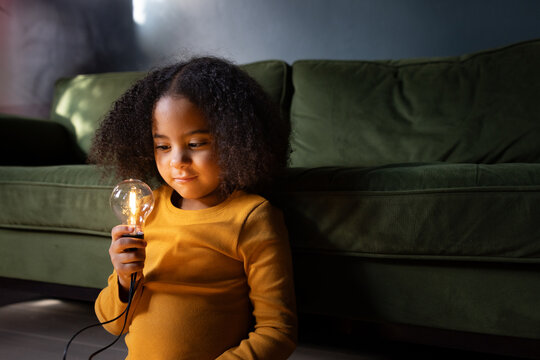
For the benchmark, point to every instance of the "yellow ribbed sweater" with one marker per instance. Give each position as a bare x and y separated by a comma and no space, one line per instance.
217,283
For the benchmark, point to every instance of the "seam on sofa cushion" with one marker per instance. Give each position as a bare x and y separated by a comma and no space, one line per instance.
483,189
481,259
61,185
54,229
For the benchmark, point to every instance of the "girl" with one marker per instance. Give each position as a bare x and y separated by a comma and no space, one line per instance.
214,273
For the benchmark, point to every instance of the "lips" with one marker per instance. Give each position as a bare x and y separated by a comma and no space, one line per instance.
184,179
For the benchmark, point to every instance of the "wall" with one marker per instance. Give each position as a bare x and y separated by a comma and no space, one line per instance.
47,39
249,30
42,40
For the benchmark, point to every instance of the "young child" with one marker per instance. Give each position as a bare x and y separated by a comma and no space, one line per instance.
214,272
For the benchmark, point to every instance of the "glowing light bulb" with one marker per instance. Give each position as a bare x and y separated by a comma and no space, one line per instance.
132,201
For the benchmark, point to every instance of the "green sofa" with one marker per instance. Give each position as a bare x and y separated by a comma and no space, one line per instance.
413,196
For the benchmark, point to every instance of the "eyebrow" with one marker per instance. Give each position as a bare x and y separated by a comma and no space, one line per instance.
161,136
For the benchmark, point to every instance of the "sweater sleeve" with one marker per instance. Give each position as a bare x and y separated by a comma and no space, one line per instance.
264,247
108,306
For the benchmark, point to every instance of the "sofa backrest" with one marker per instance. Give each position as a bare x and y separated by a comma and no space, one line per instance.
80,102
478,108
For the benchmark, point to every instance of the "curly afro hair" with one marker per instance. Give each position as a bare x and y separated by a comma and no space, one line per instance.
251,138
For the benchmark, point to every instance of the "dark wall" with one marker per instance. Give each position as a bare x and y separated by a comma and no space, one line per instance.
42,40
248,30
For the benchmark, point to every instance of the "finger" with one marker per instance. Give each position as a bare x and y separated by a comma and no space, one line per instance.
132,257
133,267
125,243
121,231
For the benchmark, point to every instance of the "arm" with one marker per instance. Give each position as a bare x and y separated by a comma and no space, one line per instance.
110,304
264,246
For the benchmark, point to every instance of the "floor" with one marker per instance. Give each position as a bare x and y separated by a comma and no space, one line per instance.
40,329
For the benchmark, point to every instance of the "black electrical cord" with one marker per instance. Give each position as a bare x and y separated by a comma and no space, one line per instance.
126,311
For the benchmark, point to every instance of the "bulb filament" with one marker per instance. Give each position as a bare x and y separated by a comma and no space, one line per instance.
133,207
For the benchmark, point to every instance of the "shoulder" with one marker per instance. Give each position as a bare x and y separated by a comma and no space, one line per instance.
162,196
254,207
247,200
262,224
162,193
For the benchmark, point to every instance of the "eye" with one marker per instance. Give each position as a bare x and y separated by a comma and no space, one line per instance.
197,144
162,147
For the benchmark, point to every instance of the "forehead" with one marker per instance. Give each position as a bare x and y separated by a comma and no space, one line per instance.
177,114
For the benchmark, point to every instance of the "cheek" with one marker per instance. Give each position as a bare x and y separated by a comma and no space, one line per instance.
161,162
212,164
206,163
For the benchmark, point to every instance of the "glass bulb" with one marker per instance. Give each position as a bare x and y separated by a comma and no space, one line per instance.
132,201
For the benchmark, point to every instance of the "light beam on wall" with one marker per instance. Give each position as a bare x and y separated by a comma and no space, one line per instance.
139,11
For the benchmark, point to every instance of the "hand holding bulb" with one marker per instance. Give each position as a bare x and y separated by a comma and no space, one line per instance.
132,201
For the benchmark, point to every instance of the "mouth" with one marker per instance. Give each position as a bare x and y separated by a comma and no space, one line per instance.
184,179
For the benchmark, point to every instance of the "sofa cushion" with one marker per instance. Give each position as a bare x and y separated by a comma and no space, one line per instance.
69,198
453,211
80,102
275,78
416,211
421,244
477,108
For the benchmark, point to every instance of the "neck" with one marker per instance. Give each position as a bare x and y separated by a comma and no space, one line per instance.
196,204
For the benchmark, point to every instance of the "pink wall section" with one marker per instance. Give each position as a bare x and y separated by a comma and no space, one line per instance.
43,40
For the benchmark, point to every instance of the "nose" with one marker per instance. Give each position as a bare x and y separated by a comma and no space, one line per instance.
180,159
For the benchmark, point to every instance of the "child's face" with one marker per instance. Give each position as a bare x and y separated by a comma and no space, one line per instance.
183,152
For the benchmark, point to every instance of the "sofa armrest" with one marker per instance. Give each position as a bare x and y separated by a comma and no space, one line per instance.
36,142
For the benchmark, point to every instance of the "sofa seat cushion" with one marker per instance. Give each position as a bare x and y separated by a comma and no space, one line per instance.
417,211
69,198
420,211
